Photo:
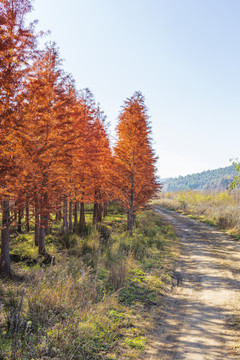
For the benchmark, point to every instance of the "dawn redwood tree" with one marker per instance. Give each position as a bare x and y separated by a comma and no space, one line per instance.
72,153
82,152
91,157
100,174
47,114
96,160
17,45
134,177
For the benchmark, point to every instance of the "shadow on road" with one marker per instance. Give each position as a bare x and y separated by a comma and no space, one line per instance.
198,319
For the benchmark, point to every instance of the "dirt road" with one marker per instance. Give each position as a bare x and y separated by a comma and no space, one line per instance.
201,314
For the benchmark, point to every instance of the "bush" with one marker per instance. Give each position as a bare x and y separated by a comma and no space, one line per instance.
49,239
115,208
21,238
225,222
104,232
87,249
139,247
117,275
22,249
69,240
85,229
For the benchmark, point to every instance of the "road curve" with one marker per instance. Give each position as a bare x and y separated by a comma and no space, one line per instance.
199,320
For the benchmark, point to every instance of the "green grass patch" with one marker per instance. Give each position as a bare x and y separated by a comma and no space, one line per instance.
97,301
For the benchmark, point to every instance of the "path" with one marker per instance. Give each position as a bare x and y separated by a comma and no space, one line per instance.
199,318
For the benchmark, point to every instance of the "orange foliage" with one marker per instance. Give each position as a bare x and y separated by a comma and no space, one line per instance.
135,180
54,144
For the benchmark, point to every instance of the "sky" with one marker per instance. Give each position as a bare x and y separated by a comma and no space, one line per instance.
183,55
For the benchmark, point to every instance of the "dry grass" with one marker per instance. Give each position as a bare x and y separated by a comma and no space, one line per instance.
219,209
96,302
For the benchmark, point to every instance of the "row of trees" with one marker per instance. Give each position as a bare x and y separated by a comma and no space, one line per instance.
210,180
54,145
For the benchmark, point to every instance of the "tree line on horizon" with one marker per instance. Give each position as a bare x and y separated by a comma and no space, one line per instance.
55,154
210,180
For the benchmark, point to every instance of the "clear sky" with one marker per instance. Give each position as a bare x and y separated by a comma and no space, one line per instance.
183,55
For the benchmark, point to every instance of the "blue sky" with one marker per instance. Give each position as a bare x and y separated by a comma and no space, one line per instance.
183,55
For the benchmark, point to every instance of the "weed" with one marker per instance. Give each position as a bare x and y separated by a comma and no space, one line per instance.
104,234
68,240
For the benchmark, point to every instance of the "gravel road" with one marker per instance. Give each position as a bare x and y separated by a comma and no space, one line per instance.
201,315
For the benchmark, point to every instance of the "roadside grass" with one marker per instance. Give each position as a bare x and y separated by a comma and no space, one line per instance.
218,209
97,300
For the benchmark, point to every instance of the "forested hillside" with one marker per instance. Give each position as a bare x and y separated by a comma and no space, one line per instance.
205,181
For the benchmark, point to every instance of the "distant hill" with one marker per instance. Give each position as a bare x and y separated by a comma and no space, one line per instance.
205,181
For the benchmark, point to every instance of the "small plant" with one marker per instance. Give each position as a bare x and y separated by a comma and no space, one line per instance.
85,229
115,208
104,234
117,275
69,240
136,343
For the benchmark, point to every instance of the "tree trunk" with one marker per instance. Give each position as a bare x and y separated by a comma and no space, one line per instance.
105,211
131,212
70,216
27,217
15,214
99,213
41,241
75,214
4,257
130,223
65,222
82,214
58,215
19,228
37,229
95,212
43,223
47,225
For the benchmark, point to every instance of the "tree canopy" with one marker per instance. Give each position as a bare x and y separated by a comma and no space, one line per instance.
54,144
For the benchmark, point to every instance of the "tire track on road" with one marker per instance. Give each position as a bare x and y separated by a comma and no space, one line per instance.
198,319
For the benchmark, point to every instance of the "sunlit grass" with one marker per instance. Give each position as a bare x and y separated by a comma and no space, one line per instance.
218,209
97,300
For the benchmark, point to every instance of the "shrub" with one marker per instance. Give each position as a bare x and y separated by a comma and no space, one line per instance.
225,222
49,239
69,240
85,229
104,232
115,208
117,275
22,249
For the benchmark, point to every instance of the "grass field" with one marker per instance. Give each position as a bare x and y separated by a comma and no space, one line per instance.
219,209
98,297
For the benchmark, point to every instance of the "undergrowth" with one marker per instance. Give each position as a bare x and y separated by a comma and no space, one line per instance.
96,300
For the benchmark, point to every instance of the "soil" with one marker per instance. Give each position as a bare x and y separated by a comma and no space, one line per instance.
200,318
